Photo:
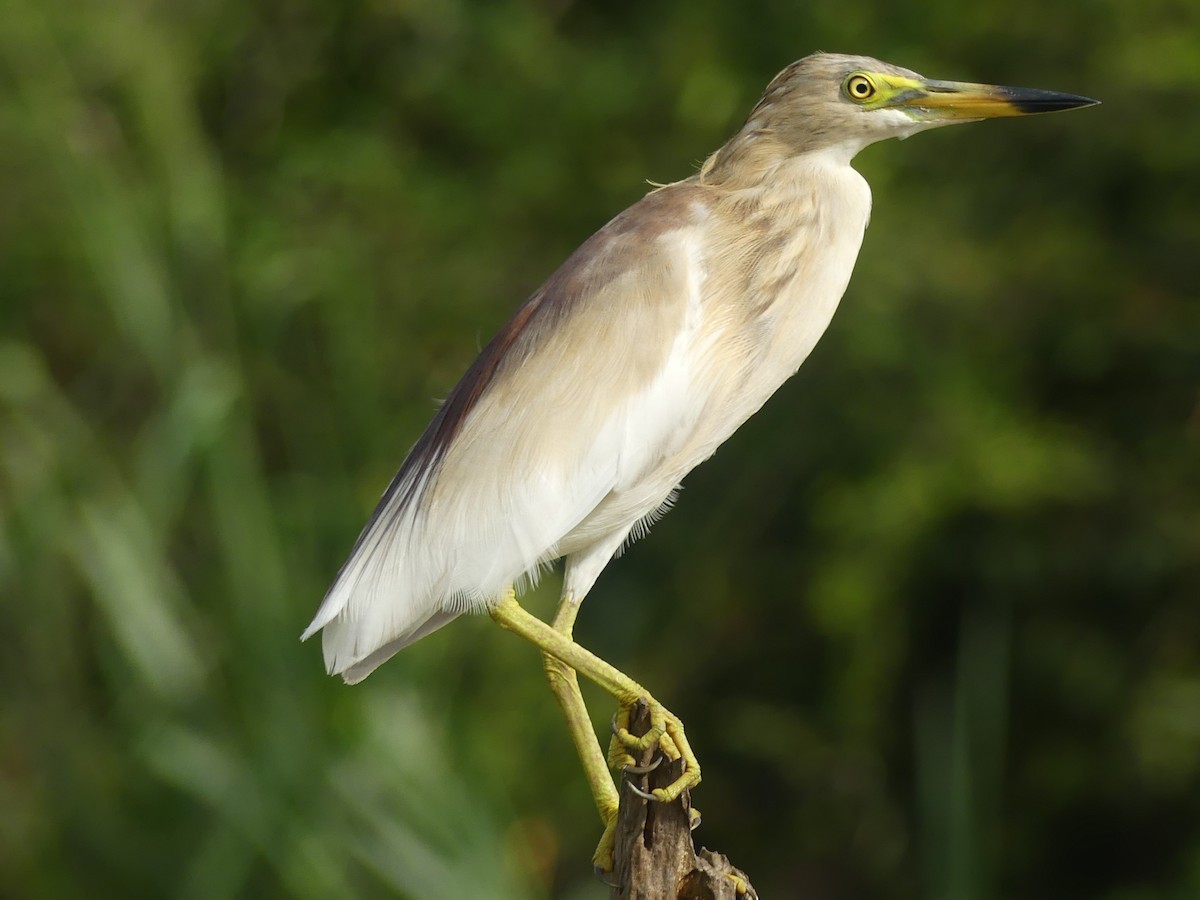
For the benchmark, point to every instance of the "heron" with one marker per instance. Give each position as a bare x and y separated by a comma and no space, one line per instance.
634,361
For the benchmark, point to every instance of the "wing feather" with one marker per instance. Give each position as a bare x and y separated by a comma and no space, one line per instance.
569,403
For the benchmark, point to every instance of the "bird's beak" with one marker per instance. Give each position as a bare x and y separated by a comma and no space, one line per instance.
960,101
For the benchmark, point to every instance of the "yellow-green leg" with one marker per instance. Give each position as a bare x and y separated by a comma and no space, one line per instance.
565,685
665,728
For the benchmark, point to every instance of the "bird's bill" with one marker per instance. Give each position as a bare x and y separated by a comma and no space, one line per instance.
957,100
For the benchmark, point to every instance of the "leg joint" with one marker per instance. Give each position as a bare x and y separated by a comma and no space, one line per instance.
558,673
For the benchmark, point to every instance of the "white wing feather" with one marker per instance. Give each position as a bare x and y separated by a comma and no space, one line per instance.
536,457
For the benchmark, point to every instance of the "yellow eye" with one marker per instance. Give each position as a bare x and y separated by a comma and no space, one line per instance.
859,87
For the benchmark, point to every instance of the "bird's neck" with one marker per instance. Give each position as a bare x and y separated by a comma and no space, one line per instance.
758,158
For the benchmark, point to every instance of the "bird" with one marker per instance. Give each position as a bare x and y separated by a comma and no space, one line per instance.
629,366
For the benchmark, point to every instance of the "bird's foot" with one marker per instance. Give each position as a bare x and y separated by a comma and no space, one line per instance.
636,757
741,887
602,859
665,736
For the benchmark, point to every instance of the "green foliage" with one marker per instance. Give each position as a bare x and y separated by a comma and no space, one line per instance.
931,617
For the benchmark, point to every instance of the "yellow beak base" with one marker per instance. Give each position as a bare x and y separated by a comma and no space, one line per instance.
962,100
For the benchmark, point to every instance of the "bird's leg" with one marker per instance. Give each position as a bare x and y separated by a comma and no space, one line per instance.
665,728
565,685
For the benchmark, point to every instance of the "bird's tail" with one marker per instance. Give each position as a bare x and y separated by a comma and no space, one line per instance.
384,598
340,640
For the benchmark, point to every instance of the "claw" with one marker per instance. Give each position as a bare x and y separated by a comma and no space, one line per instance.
643,770
694,818
645,795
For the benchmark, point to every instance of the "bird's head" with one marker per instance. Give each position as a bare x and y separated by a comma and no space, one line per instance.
830,100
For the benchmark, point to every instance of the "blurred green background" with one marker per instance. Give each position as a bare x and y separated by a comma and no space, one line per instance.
932,618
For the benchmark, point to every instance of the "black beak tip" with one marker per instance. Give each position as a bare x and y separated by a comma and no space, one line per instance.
1031,100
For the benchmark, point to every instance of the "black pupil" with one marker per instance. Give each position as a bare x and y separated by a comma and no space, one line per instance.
861,88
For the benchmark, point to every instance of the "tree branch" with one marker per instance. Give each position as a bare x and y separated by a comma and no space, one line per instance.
655,858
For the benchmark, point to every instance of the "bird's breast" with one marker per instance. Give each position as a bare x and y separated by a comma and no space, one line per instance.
792,270
765,278
797,289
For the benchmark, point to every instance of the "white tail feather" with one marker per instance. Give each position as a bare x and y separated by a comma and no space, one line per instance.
339,638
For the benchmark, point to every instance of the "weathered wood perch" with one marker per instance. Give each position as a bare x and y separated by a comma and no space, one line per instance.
655,858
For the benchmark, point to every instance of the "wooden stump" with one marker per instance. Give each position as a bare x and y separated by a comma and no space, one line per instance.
655,858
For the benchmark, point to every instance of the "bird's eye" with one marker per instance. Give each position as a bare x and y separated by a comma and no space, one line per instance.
859,87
